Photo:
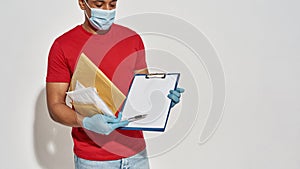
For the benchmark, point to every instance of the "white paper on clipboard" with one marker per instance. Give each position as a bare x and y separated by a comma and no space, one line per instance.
148,95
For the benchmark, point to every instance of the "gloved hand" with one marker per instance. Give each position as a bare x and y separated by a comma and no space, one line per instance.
175,96
103,124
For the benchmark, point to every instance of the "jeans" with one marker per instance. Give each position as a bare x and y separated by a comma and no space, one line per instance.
138,161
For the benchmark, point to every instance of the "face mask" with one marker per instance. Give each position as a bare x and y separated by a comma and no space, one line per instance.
101,19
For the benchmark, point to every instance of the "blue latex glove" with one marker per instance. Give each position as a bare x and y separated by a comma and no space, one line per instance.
175,96
103,124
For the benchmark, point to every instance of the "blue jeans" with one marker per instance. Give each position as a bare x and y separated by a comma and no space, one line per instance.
138,161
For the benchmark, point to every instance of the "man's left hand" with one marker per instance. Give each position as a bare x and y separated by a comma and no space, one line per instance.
175,96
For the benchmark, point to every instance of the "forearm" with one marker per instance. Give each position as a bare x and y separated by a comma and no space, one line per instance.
142,71
63,114
58,110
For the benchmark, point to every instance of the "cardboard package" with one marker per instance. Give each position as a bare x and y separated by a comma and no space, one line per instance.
89,75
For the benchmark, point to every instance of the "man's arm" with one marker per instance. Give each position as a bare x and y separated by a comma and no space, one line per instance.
142,71
59,111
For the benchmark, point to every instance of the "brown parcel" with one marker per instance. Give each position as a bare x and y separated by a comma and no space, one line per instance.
89,75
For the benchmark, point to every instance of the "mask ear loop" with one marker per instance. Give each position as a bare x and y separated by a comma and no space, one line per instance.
89,8
87,4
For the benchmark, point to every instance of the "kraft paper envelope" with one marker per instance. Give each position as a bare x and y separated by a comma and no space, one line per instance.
86,109
89,75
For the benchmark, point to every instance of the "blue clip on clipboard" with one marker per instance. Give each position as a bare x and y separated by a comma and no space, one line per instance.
148,96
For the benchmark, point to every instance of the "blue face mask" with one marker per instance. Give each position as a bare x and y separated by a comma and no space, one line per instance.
101,19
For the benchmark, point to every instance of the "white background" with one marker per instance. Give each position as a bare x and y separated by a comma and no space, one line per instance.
258,45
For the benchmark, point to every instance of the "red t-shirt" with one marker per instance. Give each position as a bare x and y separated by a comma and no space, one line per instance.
117,53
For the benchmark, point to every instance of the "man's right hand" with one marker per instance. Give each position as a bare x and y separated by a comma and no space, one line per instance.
103,124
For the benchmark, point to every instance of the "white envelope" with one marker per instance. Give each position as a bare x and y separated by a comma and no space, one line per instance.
84,96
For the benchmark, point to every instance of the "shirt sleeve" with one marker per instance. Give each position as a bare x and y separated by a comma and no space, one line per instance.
57,70
140,62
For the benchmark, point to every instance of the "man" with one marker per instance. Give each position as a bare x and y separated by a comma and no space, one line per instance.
119,53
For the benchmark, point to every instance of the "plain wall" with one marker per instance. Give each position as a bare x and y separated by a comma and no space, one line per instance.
257,43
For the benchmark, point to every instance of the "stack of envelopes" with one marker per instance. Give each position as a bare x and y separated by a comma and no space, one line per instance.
91,79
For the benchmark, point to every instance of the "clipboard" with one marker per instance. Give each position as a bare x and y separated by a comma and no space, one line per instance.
148,95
